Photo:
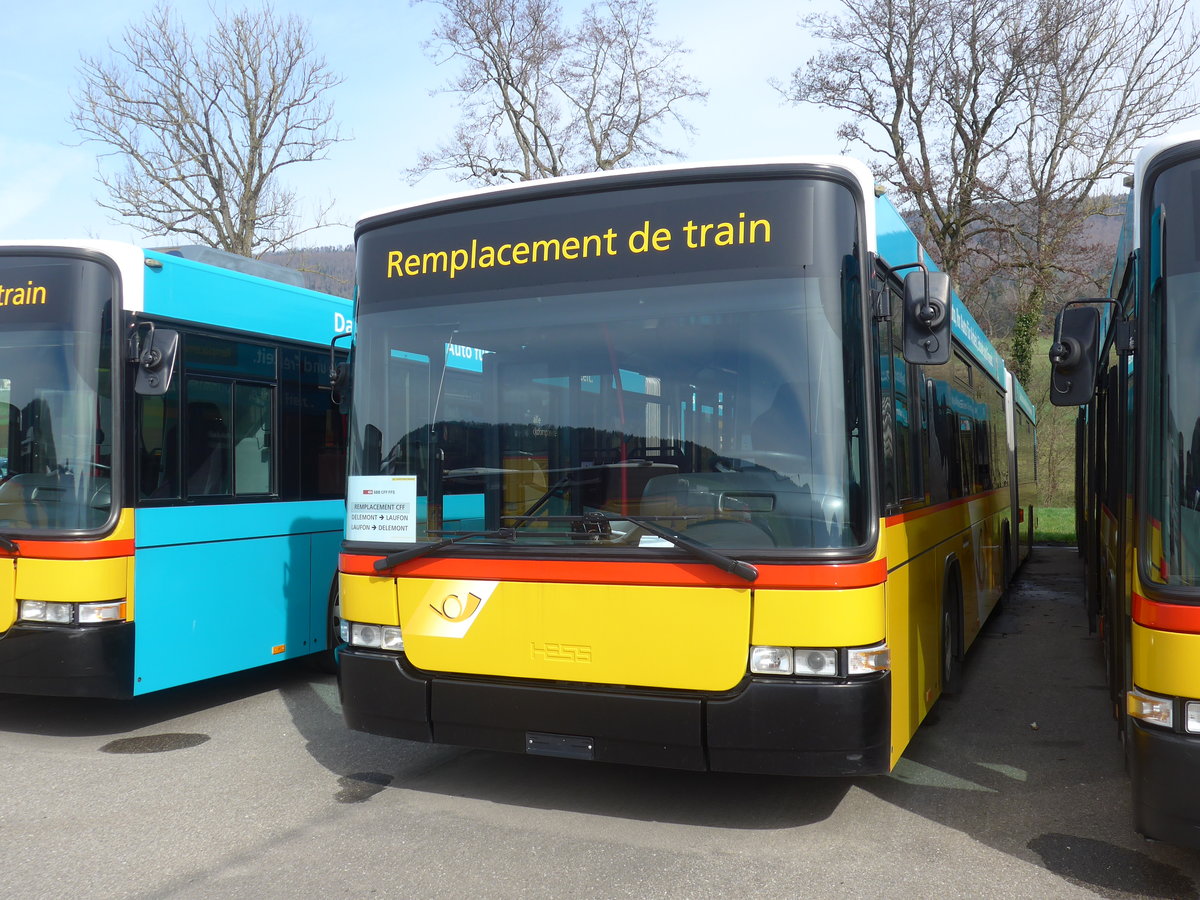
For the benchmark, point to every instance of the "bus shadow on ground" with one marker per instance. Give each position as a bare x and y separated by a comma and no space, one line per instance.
88,716
1026,758
366,765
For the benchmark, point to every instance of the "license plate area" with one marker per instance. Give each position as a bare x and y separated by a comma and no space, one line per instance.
566,746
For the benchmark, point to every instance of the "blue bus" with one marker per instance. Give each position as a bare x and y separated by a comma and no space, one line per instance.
171,467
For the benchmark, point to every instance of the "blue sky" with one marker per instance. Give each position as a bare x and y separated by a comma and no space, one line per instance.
47,180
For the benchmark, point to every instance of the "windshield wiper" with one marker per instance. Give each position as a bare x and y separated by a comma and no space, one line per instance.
742,570
394,559
9,546
595,522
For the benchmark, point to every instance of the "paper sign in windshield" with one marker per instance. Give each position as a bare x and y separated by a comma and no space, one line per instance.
381,508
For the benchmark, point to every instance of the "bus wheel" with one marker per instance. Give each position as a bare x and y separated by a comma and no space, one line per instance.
326,660
1009,564
951,663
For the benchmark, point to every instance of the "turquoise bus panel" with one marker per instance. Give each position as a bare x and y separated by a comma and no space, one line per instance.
170,526
194,292
223,588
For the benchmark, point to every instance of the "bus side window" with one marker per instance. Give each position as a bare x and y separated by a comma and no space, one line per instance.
253,410
157,444
206,458
906,415
900,412
321,430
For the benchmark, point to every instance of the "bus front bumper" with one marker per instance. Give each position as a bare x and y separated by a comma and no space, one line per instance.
1166,791
764,726
95,661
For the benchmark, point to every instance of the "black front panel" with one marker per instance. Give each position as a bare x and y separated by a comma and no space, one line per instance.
1166,793
785,727
625,728
68,662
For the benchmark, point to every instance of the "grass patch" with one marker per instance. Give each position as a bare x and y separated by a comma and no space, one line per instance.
1054,525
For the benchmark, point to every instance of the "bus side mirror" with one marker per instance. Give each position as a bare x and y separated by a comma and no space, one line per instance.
156,353
339,374
339,382
1073,356
927,318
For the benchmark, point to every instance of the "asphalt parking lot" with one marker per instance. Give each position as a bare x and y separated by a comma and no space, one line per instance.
251,786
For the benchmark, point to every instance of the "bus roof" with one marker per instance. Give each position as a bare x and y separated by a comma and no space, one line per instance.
1145,158
166,284
852,169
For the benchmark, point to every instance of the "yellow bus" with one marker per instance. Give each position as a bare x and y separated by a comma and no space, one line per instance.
1129,360
670,467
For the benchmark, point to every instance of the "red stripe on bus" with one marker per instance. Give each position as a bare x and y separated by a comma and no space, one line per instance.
831,576
1179,617
71,550
901,518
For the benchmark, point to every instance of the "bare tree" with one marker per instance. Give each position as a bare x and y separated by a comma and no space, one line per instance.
538,99
996,119
929,85
202,129
1108,79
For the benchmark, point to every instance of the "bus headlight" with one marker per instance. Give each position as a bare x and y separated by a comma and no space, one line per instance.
72,613
42,611
815,662
865,660
379,637
1147,708
771,660
1192,722
819,662
97,613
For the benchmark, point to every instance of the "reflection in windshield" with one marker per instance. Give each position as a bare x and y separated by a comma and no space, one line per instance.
56,406
1174,529
721,411
1171,530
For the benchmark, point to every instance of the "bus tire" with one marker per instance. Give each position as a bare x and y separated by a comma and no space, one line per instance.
951,658
1010,562
326,660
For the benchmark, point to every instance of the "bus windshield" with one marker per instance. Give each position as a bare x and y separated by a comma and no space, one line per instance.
724,405
1171,526
56,419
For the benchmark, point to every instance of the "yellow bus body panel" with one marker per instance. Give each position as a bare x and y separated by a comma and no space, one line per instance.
368,599
8,595
914,639
72,580
1166,662
827,618
919,550
688,638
